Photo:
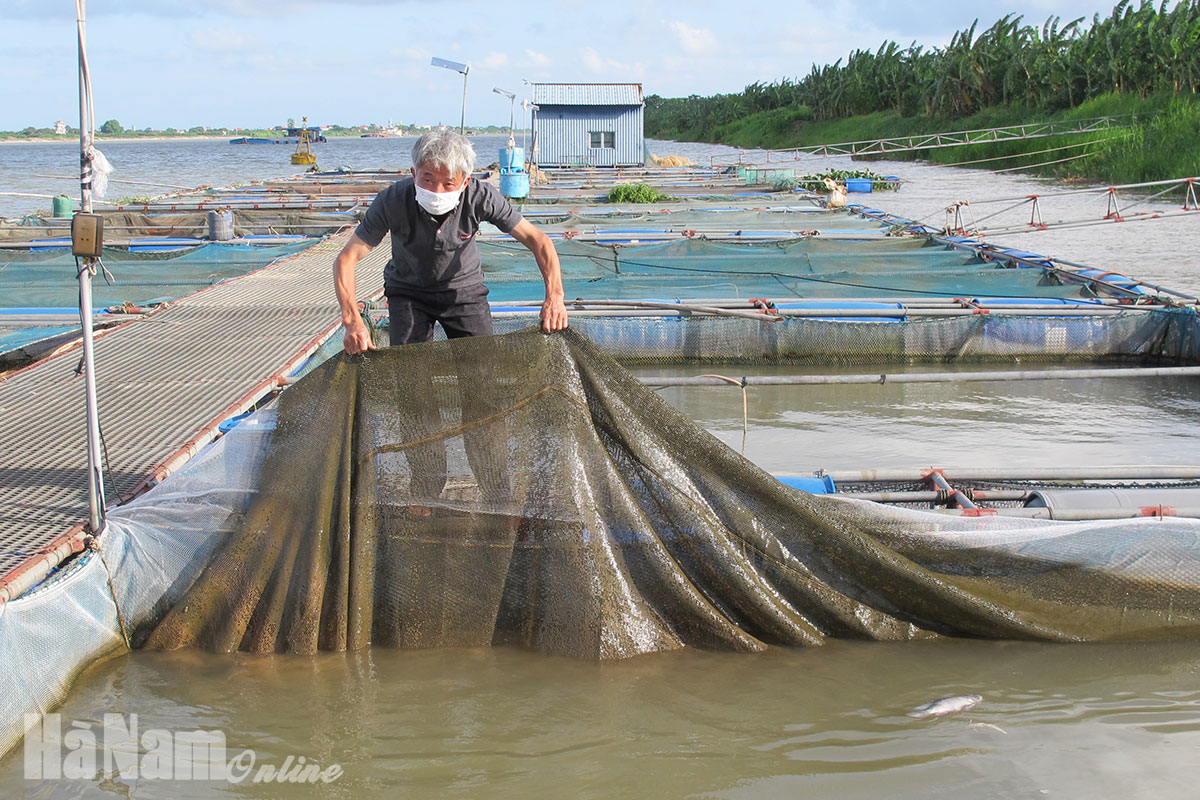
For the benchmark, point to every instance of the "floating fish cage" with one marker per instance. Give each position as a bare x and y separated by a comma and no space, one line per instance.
718,274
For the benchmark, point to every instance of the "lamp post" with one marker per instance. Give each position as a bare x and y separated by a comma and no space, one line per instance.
86,268
464,69
532,108
512,102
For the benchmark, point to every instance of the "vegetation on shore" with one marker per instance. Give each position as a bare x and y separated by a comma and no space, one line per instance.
113,129
1141,60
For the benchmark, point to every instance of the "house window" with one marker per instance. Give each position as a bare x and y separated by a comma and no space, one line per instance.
601,139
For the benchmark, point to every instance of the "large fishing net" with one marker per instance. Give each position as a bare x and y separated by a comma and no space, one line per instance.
525,489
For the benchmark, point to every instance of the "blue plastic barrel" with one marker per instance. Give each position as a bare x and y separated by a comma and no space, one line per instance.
514,184
859,185
512,159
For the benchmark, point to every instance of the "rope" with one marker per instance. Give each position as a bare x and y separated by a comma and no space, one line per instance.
1101,190
1042,164
1143,216
1014,155
93,544
114,180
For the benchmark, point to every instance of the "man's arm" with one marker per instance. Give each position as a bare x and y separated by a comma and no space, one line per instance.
554,310
357,338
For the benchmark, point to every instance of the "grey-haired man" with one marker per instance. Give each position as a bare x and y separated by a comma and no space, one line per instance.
435,274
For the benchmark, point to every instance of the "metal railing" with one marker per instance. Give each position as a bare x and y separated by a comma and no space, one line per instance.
930,141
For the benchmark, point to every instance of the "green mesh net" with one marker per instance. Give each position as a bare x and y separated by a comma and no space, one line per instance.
525,489
48,278
812,268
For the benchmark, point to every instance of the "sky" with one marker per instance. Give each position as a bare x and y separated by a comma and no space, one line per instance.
253,63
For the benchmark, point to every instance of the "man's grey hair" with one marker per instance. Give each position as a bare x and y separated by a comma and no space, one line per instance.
446,150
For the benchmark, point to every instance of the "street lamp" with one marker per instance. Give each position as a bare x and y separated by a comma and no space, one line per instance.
464,69
526,105
512,101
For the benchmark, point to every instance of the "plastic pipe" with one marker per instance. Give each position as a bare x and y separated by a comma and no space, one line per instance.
933,377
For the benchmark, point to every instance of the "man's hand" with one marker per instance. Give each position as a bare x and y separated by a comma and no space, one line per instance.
554,314
357,338
554,311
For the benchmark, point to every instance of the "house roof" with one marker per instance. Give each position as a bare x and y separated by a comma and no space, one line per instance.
587,94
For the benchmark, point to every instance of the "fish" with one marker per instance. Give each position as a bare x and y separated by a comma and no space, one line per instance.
946,705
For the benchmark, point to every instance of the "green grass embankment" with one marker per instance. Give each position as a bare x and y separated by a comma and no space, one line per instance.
1163,144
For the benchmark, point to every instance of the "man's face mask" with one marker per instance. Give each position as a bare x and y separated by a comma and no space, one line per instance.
438,203
438,192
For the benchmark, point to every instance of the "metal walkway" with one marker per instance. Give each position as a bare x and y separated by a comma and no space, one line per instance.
932,141
164,382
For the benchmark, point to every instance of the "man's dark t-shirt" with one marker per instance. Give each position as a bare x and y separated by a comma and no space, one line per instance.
428,255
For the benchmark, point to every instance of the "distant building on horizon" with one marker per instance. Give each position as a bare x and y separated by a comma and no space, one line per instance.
588,124
60,127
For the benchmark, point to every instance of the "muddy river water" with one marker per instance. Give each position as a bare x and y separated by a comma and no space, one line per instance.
1054,720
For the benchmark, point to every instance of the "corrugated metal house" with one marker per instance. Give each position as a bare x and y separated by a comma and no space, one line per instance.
588,124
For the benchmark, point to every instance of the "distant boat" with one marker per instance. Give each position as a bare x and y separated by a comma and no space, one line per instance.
291,137
387,133
314,135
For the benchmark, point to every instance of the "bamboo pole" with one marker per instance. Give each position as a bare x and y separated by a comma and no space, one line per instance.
685,309
181,243
934,497
680,307
931,377
1078,473
1078,514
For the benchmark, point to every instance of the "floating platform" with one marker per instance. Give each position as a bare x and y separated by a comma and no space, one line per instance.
168,378
726,271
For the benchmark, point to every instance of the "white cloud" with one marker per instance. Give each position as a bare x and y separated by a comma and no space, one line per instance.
814,44
417,53
595,62
222,39
494,60
535,59
694,41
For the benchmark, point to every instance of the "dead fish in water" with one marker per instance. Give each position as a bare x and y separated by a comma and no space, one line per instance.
946,705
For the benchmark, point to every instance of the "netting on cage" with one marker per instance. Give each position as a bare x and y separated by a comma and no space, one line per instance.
49,279
700,219
188,224
808,268
1171,336
525,489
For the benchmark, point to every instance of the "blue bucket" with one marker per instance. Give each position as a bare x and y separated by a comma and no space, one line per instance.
514,184
512,159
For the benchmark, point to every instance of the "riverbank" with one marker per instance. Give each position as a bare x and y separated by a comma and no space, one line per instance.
74,139
1159,143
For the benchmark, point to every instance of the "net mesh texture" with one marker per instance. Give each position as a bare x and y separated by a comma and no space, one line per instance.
49,278
809,268
525,489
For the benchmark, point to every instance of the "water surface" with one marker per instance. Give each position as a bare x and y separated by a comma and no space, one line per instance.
1055,721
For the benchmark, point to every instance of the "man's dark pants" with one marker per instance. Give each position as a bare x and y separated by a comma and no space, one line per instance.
461,312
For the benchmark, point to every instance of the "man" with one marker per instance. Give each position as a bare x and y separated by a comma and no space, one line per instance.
435,274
